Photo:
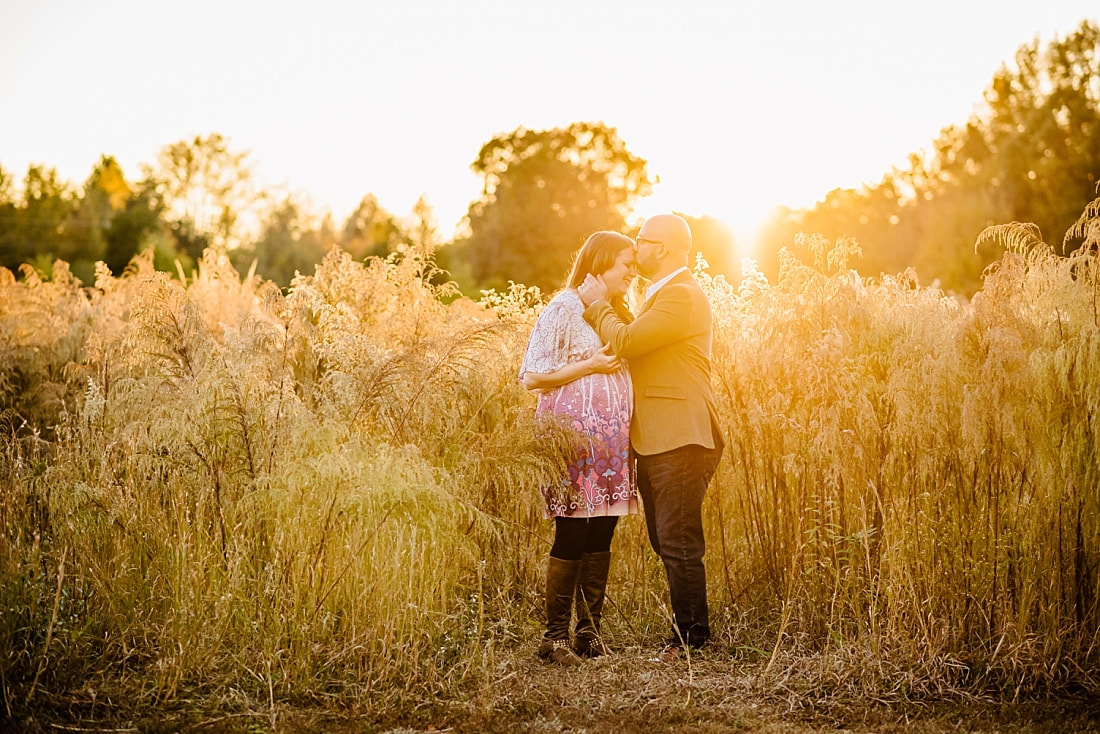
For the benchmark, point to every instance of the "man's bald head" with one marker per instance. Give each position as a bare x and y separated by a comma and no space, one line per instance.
669,229
662,246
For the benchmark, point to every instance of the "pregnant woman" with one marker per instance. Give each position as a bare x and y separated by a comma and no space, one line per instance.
581,383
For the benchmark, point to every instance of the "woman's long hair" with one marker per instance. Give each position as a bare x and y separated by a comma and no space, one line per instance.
596,256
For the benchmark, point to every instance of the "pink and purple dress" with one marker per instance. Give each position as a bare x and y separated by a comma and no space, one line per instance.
600,480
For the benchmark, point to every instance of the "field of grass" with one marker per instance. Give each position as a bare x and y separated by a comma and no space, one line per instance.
224,506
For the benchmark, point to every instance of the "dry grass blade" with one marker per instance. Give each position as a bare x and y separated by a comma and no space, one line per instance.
220,498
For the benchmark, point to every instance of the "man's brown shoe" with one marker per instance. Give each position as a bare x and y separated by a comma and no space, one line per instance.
558,651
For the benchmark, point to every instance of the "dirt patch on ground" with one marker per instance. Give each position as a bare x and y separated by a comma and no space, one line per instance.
624,693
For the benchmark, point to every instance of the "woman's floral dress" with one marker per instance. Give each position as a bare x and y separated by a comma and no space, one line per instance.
601,479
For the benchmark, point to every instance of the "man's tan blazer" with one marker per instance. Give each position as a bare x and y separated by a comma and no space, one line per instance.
667,349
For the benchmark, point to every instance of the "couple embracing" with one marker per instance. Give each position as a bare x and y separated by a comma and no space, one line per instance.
638,389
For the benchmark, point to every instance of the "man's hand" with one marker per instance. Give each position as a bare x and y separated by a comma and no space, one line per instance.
592,289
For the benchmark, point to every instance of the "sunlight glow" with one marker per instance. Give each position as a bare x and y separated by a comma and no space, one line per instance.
734,122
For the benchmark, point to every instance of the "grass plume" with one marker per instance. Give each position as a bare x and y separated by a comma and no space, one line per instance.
212,488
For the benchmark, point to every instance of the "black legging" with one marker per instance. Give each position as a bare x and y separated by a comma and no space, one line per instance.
575,536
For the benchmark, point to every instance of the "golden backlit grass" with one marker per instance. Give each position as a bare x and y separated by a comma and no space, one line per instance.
216,492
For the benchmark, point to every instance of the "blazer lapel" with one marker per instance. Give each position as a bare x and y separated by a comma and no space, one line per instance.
681,278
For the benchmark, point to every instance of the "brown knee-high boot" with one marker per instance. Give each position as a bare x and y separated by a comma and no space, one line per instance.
591,590
561,579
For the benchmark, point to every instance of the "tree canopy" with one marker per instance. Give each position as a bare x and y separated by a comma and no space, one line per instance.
1029,153
543,193
198,194
205,187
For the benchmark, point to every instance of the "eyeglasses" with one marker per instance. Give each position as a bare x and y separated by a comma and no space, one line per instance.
643,240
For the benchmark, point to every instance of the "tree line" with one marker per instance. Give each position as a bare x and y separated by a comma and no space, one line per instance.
544,192
1030,153
199,193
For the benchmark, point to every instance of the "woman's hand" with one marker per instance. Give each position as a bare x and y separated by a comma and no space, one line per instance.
603,361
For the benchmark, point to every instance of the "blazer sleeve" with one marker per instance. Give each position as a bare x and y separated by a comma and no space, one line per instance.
661,324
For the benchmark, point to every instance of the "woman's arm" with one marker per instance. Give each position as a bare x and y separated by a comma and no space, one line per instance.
601,361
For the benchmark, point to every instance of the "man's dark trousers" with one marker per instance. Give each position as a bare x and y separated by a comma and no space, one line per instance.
672,485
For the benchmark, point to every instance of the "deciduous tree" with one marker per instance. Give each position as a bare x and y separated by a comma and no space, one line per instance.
205,188
714,241
372,231
543,192
1030,153
36,229
287,244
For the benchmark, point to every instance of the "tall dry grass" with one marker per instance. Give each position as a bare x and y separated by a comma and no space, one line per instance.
290,496
912,488
331,495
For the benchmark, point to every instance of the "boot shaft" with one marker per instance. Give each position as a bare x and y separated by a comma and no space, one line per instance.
592,589
589,598
561,580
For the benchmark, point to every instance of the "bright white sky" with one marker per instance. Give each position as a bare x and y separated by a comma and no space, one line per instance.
737,106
